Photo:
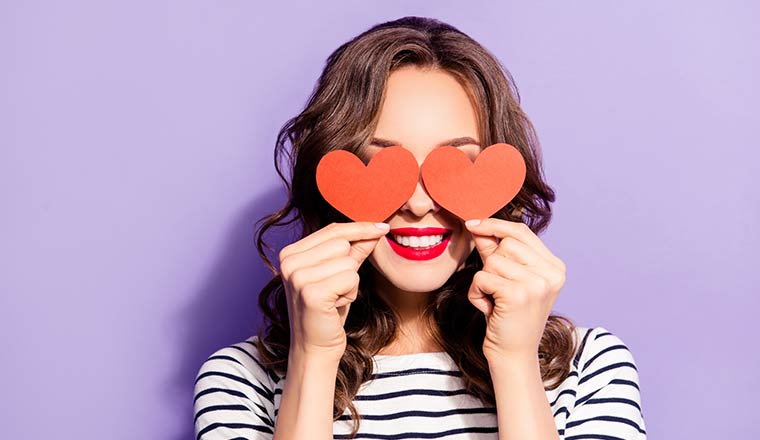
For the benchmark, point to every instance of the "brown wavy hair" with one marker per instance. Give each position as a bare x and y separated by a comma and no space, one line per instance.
342,113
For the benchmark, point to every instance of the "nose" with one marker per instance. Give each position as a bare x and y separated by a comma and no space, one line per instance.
420,203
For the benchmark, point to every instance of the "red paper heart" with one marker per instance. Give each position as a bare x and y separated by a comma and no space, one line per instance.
473,190
368,193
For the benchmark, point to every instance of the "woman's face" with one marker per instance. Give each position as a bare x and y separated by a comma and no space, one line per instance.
421,111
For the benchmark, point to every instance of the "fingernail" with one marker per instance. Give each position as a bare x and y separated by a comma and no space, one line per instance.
383,226
473,222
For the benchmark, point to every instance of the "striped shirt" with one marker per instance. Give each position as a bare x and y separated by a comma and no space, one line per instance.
421,395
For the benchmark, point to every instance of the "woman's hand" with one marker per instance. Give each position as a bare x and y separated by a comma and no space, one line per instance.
321,280
516,288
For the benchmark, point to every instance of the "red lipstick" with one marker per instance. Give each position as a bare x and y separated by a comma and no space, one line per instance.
418,231
418,253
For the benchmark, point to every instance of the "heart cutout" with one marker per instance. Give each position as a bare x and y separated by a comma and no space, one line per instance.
372,192
473,190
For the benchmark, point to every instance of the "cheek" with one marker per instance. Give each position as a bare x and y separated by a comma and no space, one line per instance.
466,244
467,238
372,259
470,243
380,254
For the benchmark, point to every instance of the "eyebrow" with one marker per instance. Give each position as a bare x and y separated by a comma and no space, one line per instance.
456,142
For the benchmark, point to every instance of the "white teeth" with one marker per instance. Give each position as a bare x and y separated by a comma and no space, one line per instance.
418,241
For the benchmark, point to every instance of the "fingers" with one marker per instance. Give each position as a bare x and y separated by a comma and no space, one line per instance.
320,277
489,288
514,249
350,231
322,266
326,251
328,290
361,249
508,268
321,270
491,230
320,253
504,228
513,271
486,245
483,286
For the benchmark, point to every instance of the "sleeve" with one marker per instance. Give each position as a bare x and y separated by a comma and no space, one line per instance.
608,399
234,396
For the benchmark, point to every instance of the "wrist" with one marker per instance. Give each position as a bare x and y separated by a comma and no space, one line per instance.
319,357
521,359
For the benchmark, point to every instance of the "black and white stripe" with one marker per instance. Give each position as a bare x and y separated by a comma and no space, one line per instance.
421,395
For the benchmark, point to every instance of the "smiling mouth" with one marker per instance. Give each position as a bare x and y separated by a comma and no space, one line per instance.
395,238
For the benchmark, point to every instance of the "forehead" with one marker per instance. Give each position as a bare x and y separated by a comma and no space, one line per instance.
424,107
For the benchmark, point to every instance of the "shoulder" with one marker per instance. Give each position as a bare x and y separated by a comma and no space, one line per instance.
607,398
234,394
237,365
602,356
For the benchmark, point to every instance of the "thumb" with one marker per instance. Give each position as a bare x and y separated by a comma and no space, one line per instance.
344,304
485,244
480,299
361,249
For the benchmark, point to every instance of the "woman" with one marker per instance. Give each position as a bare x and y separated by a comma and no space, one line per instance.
375,338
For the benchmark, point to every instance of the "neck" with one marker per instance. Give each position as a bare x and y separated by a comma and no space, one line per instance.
414,333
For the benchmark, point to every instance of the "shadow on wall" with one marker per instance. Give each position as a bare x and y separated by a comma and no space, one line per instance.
224,309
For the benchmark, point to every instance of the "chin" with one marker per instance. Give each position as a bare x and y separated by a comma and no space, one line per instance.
418,280
414,276
419,283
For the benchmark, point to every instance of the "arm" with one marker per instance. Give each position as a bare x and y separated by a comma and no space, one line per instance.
306,406
523,412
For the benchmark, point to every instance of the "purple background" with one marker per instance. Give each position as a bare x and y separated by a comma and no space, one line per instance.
137,154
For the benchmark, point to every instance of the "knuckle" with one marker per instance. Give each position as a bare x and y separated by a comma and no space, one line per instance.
486,265
309,293
559,279
520,296
348,262
509,243
285,269
561,273
344,276
337,245
296,278
353,277
343,245
501,247
541,284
